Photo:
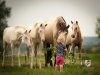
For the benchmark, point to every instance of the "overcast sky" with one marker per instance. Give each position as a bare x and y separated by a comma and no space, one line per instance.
28,11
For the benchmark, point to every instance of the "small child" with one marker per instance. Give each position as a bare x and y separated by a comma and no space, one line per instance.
60,55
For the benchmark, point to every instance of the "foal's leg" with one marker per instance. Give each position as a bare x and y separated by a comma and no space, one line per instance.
35,52
70,52
73,54
4,48
80,57
28,54
38,54
32,55
12,49
19,54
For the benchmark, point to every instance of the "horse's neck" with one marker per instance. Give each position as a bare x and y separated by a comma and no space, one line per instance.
36,33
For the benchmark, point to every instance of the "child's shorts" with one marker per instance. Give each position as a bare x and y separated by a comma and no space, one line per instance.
59,60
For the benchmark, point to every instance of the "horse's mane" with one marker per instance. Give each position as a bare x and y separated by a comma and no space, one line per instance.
61,24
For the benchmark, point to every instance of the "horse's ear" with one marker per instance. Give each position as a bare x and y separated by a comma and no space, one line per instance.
29,31
35,24
40,25
68,26
72,22
45,25
25,32
77,22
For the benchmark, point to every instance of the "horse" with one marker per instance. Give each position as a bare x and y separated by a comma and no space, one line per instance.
74,39
12,38
52,29
37,35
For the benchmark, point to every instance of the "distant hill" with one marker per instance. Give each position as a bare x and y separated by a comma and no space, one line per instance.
90,42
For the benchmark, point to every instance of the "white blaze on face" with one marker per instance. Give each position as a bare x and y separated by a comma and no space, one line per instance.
42,31
27,38
75,29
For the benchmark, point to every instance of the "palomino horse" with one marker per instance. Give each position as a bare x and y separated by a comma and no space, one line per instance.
52,30
37,35
54,26
74,38
12,37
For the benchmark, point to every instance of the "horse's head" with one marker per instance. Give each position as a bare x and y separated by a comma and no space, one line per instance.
26,36
41,31
75,29
62,36
23,33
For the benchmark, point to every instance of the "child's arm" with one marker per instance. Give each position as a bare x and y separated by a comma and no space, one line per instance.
65,49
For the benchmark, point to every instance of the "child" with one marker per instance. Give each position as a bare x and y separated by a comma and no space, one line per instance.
60,55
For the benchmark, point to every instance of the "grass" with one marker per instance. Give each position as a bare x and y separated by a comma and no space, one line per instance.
69,69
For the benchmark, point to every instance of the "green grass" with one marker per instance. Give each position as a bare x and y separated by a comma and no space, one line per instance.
69,69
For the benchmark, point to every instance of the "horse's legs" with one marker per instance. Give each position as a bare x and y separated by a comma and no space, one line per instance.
45,54
73,54
19,54
4,48
79,48
70,49
12,60
39,61
35,52
28,54
80,57
32,55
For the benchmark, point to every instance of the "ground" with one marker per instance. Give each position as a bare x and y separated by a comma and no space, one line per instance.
69,69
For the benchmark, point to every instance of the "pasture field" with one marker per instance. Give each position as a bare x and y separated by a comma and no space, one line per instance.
69,69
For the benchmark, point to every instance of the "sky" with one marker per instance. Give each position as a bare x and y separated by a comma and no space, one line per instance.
27,12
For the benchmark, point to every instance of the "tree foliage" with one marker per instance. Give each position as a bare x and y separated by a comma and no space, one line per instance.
4,14
98,27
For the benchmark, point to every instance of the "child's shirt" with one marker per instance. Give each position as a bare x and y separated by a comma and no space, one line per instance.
60,49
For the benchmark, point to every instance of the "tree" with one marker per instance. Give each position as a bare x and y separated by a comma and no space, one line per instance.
4,14
98,27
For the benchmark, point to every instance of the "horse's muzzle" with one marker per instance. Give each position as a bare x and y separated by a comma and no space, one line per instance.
73,36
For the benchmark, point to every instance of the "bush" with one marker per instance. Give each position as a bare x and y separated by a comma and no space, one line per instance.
95,50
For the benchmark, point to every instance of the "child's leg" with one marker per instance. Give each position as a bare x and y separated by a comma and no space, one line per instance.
56,68
57,63
61,63
61,68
